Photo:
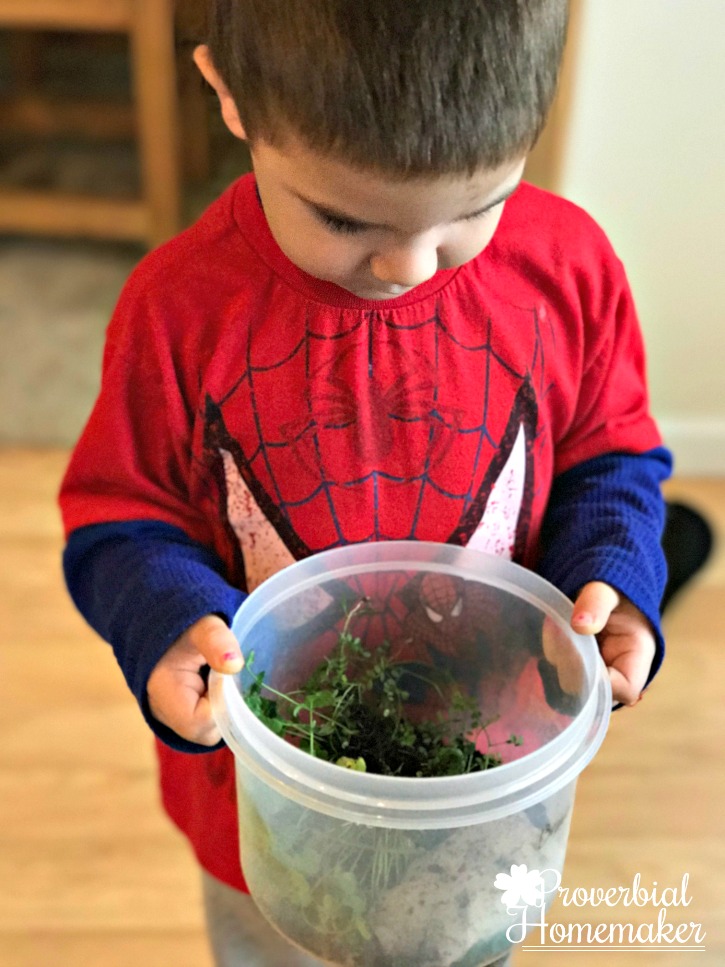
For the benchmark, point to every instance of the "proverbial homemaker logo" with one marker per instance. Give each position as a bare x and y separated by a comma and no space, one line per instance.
659,923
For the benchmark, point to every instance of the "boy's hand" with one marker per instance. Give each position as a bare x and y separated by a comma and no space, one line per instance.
177,692
625,637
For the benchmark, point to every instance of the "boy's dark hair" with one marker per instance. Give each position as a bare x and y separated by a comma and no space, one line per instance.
412,87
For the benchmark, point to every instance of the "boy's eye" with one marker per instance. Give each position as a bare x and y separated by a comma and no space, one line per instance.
342,225
479,214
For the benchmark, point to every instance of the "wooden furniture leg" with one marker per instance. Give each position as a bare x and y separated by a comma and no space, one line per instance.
154,75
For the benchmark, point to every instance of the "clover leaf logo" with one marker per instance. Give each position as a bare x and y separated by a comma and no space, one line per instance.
521,886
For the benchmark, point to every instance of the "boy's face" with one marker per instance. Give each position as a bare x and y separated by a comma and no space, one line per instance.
374,235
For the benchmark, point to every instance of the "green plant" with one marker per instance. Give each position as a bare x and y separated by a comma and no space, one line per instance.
353,711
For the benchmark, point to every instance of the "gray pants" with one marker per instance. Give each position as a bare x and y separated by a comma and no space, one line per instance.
241,937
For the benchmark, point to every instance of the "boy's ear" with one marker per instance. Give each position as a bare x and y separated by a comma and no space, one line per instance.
202,59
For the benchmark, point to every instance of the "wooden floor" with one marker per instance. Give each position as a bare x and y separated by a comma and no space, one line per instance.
91,872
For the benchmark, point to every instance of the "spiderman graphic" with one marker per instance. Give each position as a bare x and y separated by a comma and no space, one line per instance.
376,432
388,432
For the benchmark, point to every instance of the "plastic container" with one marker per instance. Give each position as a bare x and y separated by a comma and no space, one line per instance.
381,871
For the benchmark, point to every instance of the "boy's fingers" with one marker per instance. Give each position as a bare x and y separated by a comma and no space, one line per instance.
558,651
593,606
213,639
628,653
178,698
202,728
191,717
627,684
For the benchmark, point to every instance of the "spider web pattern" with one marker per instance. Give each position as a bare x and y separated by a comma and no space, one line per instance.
376,429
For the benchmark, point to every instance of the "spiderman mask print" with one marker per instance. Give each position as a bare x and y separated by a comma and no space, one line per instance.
375,430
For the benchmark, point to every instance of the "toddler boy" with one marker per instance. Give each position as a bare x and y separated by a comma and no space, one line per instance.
381,334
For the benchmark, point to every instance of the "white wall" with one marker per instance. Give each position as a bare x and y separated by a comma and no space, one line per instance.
645,156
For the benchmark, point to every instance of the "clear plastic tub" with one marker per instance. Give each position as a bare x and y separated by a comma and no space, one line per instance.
383,871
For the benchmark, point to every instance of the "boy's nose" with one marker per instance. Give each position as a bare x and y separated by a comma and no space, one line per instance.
406,266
